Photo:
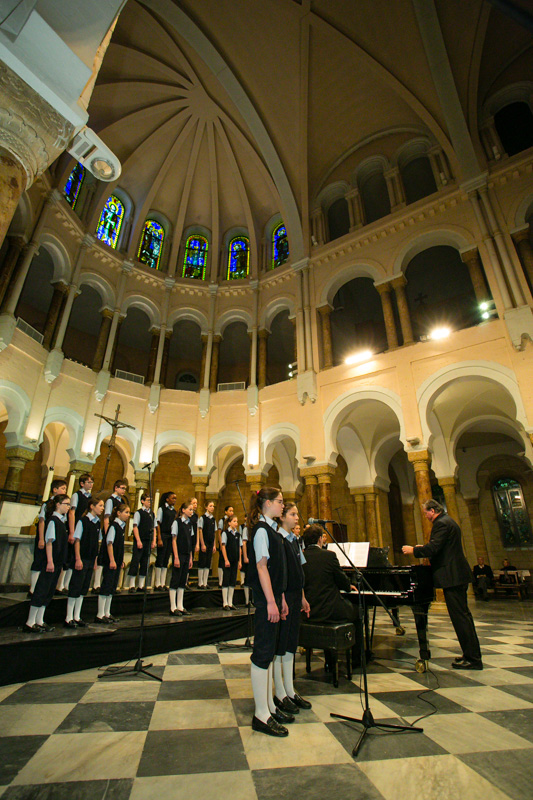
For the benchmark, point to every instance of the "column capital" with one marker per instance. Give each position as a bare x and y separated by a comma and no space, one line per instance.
521,235
398,281
302,264
360,491
255,481
169,282
78,467
325,310
447,481
127,266
324,470
263,333
469,254
420,459
20,453
384,287
107,312
200,482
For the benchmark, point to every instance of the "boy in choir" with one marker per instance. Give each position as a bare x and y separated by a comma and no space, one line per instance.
112,502
182,562
113,558
78,506
56,540
87,536
223,521
166,514
206,538
143,543
195,547
57,486
230,550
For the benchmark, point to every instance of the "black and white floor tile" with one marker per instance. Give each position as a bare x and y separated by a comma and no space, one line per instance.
75,737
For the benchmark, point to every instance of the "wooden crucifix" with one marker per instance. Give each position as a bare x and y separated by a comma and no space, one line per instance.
116,425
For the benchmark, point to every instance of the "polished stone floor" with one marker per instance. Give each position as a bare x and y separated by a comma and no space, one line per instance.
74,737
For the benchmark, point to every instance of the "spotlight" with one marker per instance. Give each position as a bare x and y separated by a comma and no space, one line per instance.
483,306
358,358
439,333
485,315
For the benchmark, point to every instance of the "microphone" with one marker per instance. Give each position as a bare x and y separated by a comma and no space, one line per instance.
312,521
145,466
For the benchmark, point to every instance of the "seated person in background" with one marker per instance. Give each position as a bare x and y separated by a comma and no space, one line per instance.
504,574
324,580
483,578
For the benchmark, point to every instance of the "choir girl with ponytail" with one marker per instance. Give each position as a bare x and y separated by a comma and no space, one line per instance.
166,514
206,539
113,562
87,537
228,512
182,544
230,551
58,486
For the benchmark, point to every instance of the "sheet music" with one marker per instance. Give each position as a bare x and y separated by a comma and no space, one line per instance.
356,551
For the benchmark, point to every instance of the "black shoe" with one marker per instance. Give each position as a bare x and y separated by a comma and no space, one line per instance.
29,596
227,608
176,613
233,608
286,705
281,717
32,628
112,619
102,620
185,613
70,624
47,628
271,727
80,623
467,665
95,590
132,590
139,589
299,701
65,592
459,659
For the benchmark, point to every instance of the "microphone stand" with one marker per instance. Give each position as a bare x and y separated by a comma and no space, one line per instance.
367,720
248,644
139,668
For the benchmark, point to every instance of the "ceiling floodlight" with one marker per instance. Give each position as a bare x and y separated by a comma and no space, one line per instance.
359,358
439,333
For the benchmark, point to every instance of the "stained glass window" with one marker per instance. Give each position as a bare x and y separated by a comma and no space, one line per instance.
195,257
151,245
280,246
513,518
110,222
238,258
73,185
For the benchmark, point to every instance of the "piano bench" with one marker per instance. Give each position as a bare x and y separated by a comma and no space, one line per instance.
336,637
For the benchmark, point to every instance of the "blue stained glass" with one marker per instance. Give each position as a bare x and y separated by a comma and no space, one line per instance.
280,246
151,245
73,185
238,258
195,257
110,223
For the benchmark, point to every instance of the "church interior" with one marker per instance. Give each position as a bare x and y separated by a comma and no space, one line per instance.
304,259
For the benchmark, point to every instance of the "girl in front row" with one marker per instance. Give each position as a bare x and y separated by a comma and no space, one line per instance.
230,551
87,537
113,562
182,544
206,536
55,545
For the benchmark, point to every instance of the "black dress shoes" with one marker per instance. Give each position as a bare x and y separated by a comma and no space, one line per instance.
299,701
102,620
176,613
32,629
464,664
282,717
185,613
271,727
80,623
112,619
286,705
70,624
47,628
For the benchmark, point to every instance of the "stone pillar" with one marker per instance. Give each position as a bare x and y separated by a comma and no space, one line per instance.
439,165
204,356
311,494
154,344
359,500
255,482
473,262
262,358
398,284
324,495
213,380
478,535
395,188
18,457
384,290
327,346
200,485
355,209
56,305
318,226
12,184
525,251
77,468
9,267
449,488
164,358
371,519
421,460
112,366
103,336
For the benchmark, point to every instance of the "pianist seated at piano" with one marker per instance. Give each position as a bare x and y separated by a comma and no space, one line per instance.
324,581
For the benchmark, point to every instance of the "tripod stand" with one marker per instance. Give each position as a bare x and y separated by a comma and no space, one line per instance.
367,720
139,668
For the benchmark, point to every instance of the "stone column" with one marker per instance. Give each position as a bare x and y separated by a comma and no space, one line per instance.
324,495
255,482
478,535
311,493
164,358
525,251
103,336
263,335
9,267
112,366
73,290
359,500
371,519
200,485
327,346
204,356
18,457
58,302
398,284
439,165
355,209
77,468
213,380
473,262
12,184
318,226
421,460
395,188
154,344
448,486
384,290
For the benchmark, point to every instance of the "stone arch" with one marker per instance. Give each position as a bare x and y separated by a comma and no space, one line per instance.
100,285
235,315
453,236
274,308
18,405
367,269
522,211
59,255
190,314
131,442
144,304
73,422
225,439
174,437
22,222
281,447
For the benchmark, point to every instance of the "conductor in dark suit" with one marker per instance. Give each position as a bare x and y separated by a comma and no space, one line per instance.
451,572
324,580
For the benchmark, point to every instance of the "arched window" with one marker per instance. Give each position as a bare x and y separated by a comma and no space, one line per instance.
514,124
187,381
151,245
238,258
195,257
73,185
338,218
280,246
110,223
513,519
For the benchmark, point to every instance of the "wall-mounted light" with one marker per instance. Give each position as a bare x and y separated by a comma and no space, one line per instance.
439,333
359,358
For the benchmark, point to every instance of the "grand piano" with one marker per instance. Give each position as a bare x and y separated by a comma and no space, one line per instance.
396,586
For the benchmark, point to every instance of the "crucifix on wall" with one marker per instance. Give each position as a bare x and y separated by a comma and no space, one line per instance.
116,425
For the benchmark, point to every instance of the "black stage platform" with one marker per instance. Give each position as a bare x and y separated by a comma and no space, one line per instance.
27,656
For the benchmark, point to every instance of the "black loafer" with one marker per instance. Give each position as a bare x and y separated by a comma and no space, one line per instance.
286,705
101,621
32,629
80,623
468,665
70,624
185,613
459,659
271,727
132,590
112,619
299,701
176,613
282,717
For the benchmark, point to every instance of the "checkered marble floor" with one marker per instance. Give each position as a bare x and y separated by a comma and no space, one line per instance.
74,737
